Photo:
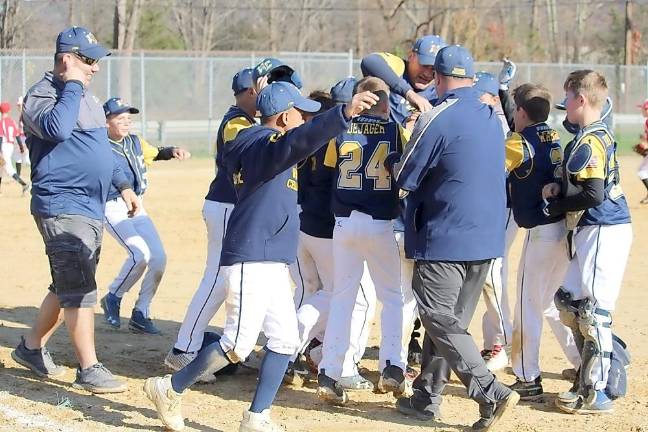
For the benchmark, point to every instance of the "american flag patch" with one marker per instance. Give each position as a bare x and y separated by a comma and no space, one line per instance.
593,162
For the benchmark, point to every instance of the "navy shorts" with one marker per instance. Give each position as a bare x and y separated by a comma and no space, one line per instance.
72,244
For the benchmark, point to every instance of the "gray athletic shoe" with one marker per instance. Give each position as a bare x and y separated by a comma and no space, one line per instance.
177,360
98,379
38,361
355,383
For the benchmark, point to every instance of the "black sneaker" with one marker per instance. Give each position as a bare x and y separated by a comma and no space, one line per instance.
492,413
330,390
411,407
38,361
296,373
528,391
98,379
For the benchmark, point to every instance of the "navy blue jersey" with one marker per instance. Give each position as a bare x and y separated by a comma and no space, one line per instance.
264,224
361,182
597,143
314,196
221,188
453,170
533,160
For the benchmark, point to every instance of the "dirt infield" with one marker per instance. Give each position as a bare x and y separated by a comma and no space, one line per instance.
174,201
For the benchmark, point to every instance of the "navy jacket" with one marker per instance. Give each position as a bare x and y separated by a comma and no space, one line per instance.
72,162
221,188
453,169
264,225
314,196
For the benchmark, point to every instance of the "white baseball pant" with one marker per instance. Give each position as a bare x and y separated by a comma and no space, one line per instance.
20,157
258,298
596,272
497,324
542,268
406,274
7,155
313,277
356,239
643,169
146,254
210,294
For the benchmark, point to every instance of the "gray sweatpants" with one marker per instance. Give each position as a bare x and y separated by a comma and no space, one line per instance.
447,294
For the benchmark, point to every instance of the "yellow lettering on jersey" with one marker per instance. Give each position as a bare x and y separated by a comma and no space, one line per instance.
275,137
291,184
237,178
548,136
366,129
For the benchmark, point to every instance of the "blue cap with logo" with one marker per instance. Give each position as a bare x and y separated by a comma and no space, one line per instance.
455,61
242,81
280,96
276,71
342,91
116,106
486,83
426,48
82,41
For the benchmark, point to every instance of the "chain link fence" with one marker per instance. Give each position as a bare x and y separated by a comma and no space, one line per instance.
182,96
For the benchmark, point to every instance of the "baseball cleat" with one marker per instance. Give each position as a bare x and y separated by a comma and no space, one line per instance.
392,380
408,406
528,391
355,383
168,403
597,403
496,359
297,372
491,414
38,361
414,350
140,324
111,304
258,422
99,380
330,391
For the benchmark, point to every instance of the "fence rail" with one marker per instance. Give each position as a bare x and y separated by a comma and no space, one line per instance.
182,96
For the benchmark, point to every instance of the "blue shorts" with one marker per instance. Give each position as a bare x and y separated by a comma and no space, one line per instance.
72,244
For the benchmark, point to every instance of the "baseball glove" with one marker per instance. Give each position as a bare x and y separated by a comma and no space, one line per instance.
641,148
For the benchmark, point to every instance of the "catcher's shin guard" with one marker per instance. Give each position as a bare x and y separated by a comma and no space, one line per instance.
595,326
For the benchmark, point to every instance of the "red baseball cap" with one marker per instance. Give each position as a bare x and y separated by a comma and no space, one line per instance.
5,107
643,105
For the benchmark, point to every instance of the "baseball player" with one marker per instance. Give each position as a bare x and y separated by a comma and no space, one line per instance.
497,325
642,149
260,242
312,272
596,210
410,81
533,159
146,256
365,203
217,209
9,135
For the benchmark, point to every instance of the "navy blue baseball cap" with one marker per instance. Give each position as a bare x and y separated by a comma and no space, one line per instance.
280,96
242,80
486,83
276,71
455,61
82,41
426,48
115,106
342,91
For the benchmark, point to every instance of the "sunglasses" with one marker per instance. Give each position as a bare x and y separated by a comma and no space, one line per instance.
85,59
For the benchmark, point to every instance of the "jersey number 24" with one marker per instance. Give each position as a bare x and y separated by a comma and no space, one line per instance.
351,157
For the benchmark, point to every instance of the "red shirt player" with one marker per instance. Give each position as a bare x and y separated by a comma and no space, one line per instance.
9,132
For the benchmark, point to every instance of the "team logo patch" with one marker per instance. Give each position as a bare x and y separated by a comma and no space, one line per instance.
593,162
556,156
458,71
